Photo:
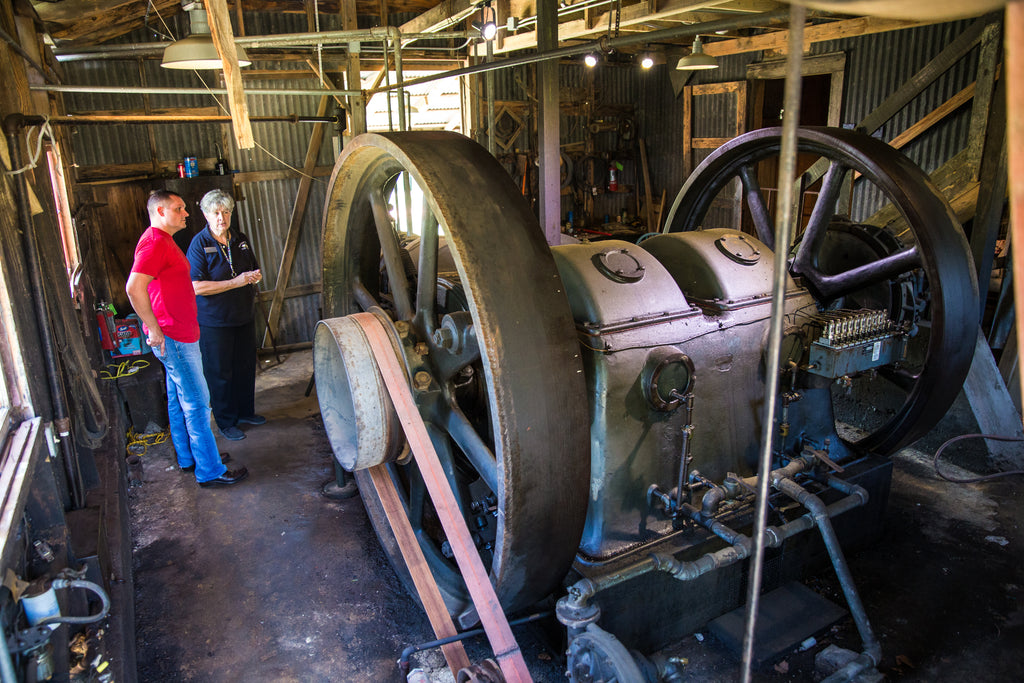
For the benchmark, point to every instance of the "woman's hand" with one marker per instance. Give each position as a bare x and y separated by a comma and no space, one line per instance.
251,277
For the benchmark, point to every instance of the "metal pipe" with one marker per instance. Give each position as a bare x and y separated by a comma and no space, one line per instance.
87,585
13,124
821,518
99,119
16,46
603,44
362,35
396,45
583,590
783,237
492,144
138,90
74,54
7,674
403,660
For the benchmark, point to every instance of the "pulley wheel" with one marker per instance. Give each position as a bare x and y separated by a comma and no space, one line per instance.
928,246
490,347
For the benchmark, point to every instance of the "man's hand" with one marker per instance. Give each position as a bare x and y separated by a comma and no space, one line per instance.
156,339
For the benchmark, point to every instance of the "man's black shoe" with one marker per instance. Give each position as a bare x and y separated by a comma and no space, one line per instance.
224,457
228,478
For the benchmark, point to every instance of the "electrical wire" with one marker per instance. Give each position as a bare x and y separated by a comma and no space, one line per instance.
138,444
973,480
257,142
123,369
167,36
34,155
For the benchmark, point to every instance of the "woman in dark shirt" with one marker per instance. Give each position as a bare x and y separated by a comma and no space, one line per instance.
224,273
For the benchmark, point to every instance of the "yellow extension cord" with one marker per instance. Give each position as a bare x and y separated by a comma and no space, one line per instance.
138,444
123,369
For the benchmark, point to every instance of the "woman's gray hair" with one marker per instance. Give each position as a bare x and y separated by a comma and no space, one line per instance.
216,198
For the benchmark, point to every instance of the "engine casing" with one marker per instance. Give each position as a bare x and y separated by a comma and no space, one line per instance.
705,295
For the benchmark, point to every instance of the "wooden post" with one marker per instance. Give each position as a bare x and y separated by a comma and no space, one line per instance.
353,72
224,40
291,243
430,596
1014,41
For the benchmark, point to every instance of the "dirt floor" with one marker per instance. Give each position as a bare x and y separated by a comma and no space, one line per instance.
270,581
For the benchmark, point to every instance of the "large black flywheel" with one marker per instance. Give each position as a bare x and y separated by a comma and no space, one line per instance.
427,231
917,266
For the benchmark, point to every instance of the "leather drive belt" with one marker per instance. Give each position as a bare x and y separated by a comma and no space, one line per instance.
503,643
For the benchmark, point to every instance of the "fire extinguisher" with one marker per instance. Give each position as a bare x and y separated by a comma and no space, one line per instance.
105,320
613,175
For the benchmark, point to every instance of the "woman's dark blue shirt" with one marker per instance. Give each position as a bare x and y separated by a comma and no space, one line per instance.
209,261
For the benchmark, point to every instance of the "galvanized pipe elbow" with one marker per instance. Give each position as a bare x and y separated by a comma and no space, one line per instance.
711,500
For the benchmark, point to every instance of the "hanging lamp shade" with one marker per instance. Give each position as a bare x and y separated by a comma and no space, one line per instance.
198,51
697,60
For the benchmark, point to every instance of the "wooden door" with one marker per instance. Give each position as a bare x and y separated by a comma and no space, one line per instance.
713,114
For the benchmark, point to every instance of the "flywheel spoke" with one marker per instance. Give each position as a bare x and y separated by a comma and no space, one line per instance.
821,217
902,378
391,251
831,287
363,297
843,263
476,450
426,289
756,204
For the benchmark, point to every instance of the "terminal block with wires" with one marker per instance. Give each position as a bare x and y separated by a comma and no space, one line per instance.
849,342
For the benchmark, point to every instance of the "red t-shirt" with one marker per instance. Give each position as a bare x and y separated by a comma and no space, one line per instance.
170,291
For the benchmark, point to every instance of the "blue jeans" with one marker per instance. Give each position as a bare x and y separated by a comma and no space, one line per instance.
188,409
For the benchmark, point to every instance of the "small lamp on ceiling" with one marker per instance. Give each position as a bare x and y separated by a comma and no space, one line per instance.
489,27
646,61
197,51
590,60
697,59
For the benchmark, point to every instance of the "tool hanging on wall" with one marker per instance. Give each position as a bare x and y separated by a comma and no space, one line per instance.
221,166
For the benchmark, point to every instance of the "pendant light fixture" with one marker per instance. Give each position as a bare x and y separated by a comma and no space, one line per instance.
197,51
697,60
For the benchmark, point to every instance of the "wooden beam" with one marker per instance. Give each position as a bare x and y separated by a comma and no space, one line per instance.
415,562
291,244
224,40
992,164
280,174
934,116
356,109
988,58
590,26
836,30
1014,60
100,20
991,404
437,18
295,291
920,80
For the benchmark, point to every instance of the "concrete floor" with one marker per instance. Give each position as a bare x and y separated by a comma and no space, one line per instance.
269,581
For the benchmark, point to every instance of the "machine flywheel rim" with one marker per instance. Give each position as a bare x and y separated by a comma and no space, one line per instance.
535,391
937,240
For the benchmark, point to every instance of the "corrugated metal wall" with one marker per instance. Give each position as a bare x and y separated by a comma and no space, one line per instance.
265,207
876,66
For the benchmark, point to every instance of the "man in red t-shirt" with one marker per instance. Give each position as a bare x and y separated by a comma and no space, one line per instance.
160,289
